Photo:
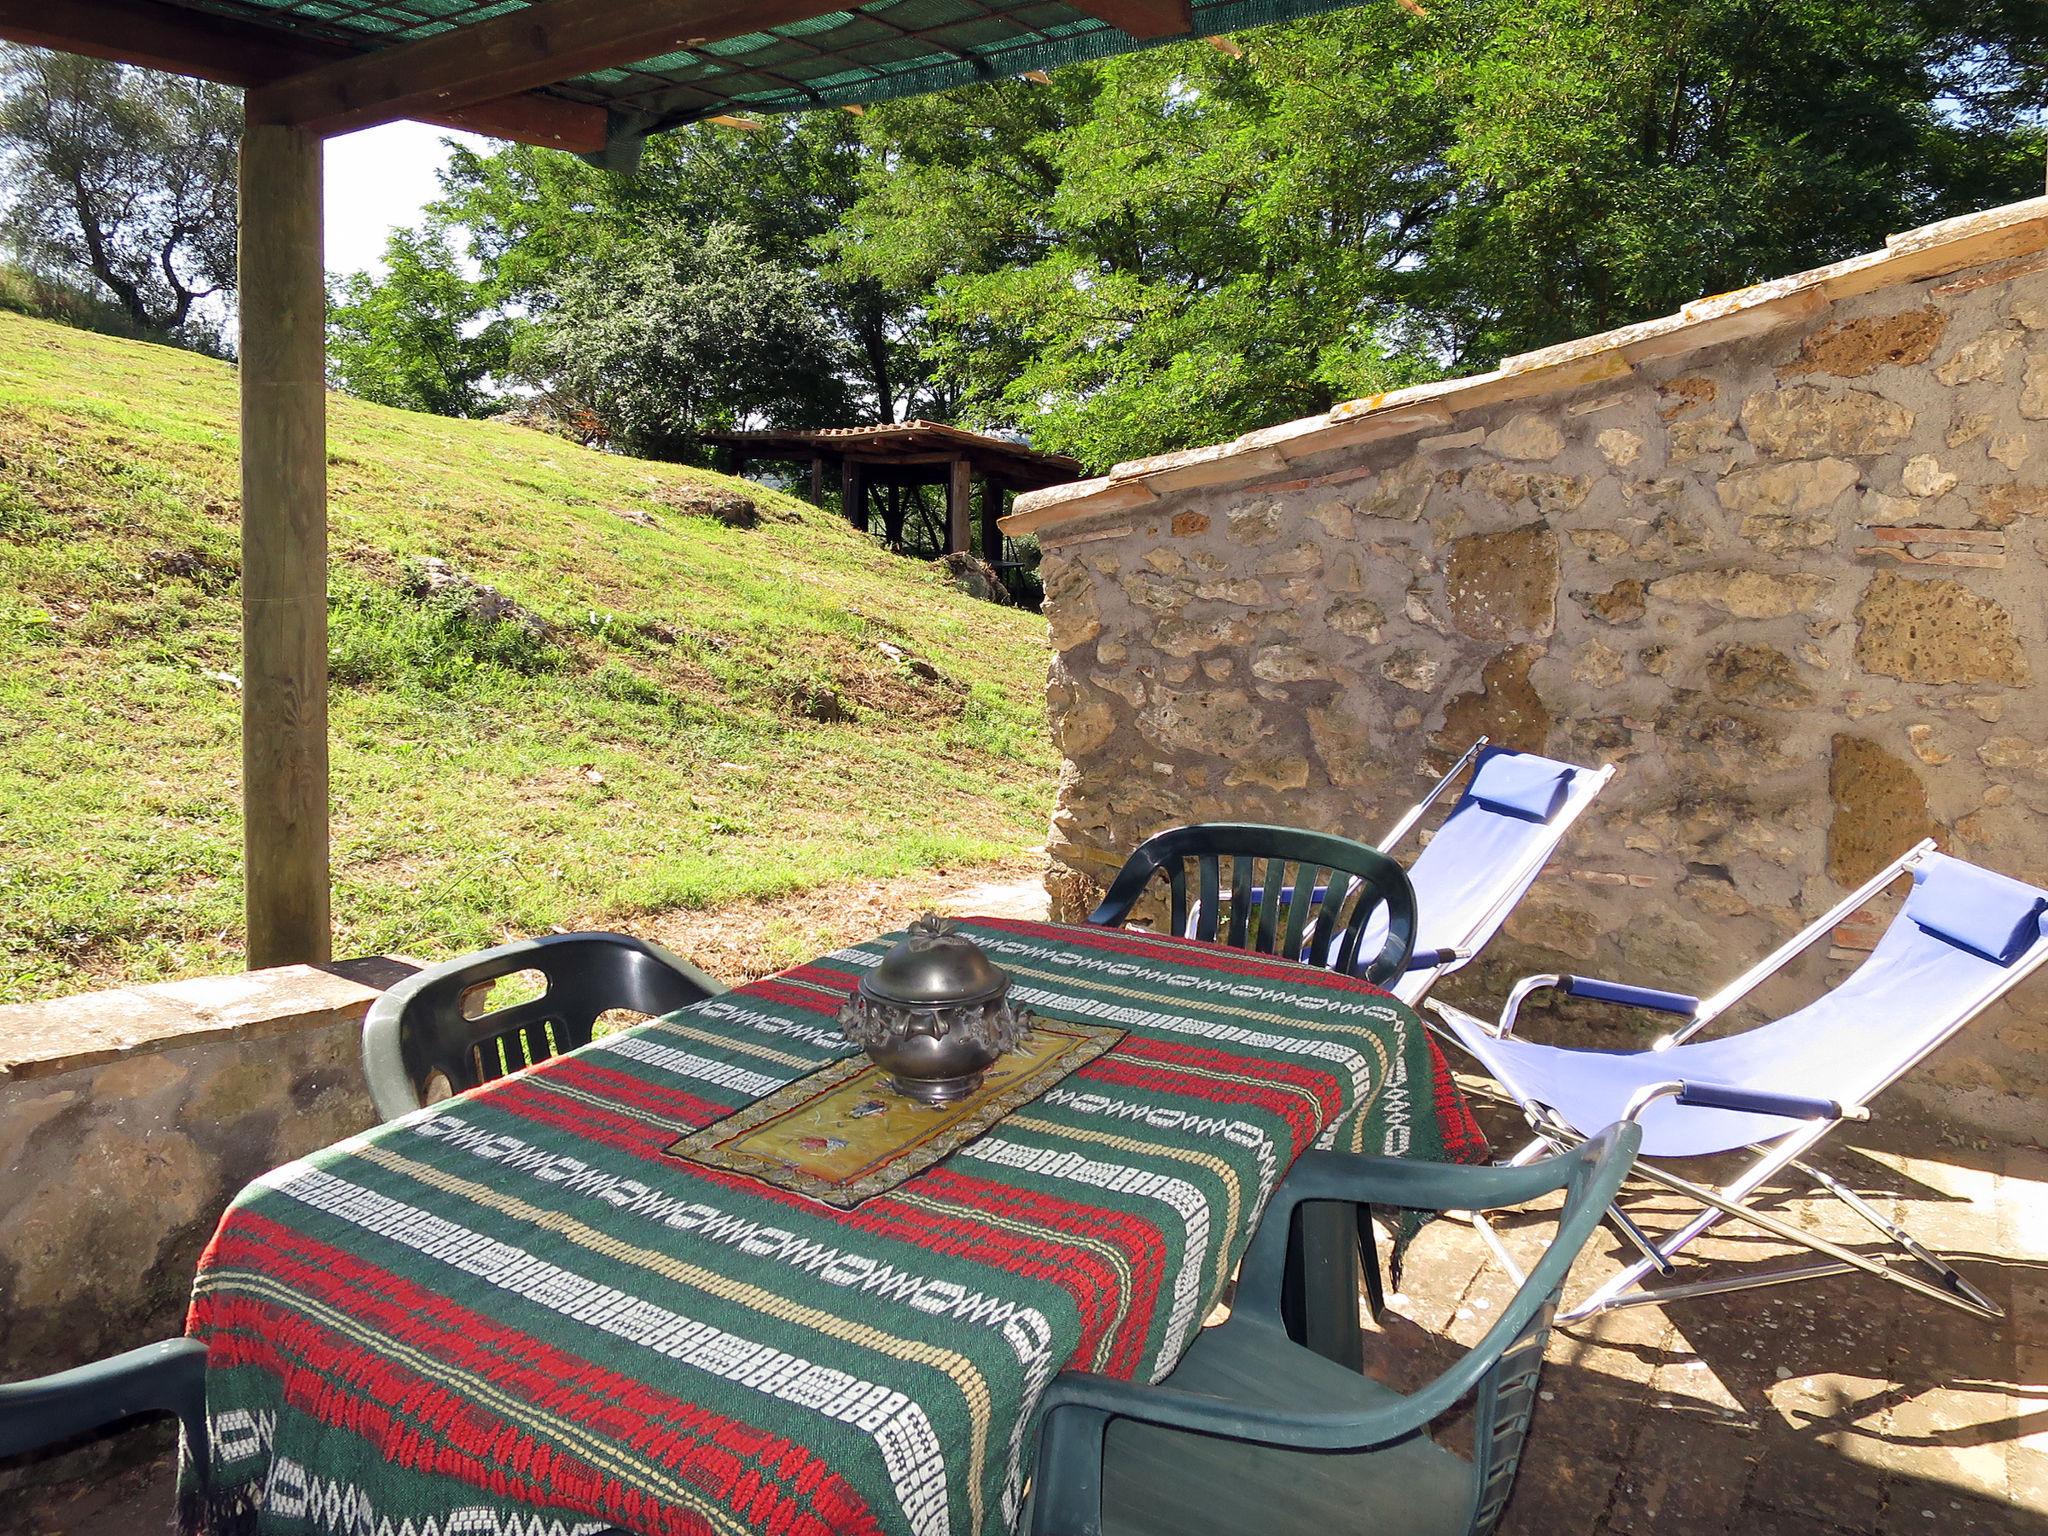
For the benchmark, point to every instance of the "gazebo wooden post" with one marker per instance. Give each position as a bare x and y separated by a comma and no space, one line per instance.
284,548
991,509
959,485
817,479
853,493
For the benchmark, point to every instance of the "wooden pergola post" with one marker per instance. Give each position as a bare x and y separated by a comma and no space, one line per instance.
853,493
959,486
284,548
991,509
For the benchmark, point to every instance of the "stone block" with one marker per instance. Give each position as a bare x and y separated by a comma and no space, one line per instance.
1744,593
1849,349
1807,485
1880,809
1804,422
1936,631
1503,586
1760,675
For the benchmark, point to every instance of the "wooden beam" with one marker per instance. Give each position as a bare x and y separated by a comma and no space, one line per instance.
534,46
283,305
179,41
959,485
1142,18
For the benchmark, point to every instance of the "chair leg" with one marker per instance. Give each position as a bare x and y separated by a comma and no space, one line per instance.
1959,1294
1369,1262
1900,1237
1320,1301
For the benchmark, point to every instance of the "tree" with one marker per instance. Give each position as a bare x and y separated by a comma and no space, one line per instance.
422,337
672,335
1176,246
122,177
535,220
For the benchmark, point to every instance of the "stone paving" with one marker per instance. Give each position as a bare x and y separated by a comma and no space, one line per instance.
1833,1407
1845,1407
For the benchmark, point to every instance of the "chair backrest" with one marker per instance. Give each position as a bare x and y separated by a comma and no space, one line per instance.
1504,826
1963,938
428,1025
1346,885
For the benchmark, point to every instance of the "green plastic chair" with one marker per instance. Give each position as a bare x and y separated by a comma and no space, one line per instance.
1254,1433
158,1378
423,1028
1259,906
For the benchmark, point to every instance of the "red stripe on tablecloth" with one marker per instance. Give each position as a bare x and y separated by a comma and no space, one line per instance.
1081,1274
1323,1082
1464,1141
727,1461
1146,1077
588,1075
776,989
1206,954
1141,1243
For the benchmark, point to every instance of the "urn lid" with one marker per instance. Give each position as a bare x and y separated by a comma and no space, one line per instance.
934,966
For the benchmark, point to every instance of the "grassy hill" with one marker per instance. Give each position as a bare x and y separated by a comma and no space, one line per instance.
704,714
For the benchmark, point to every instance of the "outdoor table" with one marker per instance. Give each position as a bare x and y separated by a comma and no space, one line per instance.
515,1312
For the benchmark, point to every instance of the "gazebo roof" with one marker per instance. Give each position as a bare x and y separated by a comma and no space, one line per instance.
906,442
592,75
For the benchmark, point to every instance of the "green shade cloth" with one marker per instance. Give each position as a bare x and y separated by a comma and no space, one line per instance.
512,1313
870,53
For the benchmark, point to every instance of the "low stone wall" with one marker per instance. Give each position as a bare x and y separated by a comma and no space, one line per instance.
1791,584
129,1119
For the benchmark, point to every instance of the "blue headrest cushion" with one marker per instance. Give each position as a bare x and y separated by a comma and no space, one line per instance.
1521,784
1975,909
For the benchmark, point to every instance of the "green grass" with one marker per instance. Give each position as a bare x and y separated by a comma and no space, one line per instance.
656,749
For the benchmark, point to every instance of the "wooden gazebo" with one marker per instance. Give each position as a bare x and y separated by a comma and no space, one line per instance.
873,466
591,76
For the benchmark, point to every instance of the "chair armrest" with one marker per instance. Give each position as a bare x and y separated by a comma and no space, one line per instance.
1430,959
1752,1101
157,1378
1653,998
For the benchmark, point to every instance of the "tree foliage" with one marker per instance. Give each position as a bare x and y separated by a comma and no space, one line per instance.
1176,246
422,336
681,334
124,178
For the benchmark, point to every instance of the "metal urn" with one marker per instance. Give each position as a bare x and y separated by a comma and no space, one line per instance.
934,1013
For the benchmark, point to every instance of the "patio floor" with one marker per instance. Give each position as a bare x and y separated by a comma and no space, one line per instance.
1840,1406
1843,1406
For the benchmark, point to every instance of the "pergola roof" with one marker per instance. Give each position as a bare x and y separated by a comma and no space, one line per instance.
597,76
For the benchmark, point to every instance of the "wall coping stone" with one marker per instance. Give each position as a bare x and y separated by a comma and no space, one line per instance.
1133,488
93,1028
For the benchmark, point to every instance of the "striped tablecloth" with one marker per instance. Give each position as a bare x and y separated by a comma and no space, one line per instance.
511,1313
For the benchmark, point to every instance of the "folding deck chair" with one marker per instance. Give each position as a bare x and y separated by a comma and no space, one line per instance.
1500,833
1963,939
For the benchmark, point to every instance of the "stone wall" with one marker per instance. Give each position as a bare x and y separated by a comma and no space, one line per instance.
128,1120
1792,585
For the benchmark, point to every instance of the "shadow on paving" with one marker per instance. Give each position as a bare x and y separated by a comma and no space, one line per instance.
1824,1408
